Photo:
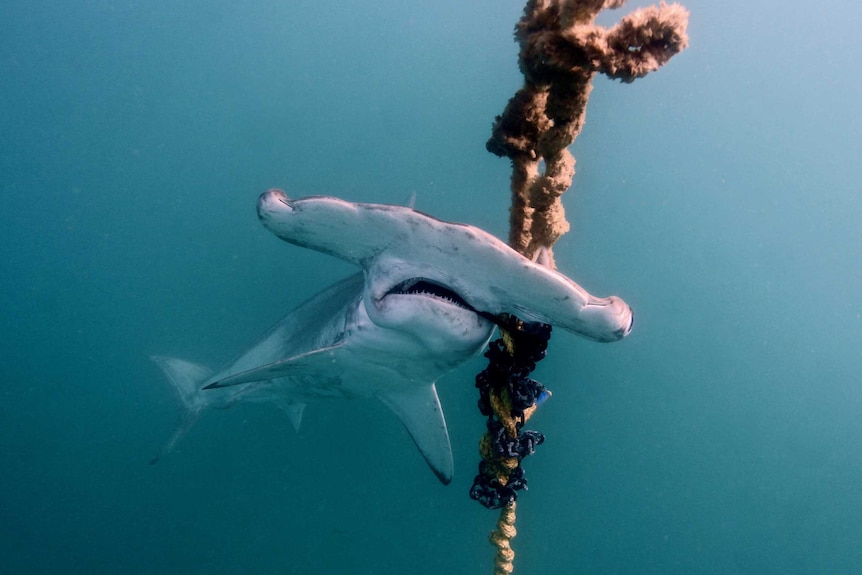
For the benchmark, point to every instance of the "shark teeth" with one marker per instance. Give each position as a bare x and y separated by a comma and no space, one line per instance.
425,287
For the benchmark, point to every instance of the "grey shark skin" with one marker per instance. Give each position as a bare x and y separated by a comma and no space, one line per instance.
330,347
417,311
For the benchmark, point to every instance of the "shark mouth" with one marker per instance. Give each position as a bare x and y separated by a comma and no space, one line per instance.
425,287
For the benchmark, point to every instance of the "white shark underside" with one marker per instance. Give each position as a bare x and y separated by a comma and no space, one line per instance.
418,310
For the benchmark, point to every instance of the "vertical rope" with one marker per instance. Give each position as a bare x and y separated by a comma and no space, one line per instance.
508,397
501,538
562,49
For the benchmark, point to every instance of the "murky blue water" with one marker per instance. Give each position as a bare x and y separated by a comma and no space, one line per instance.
719,196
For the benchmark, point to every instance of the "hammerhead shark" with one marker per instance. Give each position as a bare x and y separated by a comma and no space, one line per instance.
423,304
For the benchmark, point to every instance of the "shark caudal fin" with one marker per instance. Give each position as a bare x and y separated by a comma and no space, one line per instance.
185,378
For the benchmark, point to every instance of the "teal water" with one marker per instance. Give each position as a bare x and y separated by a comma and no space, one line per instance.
719,196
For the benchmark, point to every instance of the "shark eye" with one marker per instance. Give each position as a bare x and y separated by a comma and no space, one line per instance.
420,286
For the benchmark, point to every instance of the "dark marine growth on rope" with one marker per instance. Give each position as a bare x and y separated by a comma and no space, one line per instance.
507,397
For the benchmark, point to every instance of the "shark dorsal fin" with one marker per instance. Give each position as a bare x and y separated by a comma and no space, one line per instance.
542,257
410,201
419,410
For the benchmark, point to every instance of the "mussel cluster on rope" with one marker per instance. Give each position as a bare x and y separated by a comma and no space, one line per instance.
508,397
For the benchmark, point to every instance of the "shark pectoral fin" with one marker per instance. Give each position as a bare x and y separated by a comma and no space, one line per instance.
293,411
320,362
420,412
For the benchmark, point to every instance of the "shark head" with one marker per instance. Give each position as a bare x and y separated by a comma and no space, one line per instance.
408,256
410,298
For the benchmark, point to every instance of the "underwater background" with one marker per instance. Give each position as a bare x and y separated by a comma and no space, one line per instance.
719,196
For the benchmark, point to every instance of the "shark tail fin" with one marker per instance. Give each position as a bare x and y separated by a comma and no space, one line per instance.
186,379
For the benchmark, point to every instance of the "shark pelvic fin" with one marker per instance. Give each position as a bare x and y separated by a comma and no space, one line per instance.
320,363
293,411
420,412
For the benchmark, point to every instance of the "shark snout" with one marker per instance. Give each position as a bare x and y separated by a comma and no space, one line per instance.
271,201
275,211
627,323
624,318
605,320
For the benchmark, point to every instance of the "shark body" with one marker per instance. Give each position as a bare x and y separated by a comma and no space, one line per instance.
421,306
